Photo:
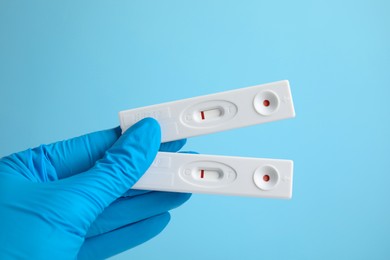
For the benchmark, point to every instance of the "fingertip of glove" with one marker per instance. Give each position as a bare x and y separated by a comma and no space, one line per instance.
166,216
181,142
159,222
147,125
179,198
173,146
184,197
150,122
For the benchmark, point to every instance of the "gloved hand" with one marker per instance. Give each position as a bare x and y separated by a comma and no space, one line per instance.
64,200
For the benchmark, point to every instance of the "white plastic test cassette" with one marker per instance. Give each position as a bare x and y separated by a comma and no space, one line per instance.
217,112
212,174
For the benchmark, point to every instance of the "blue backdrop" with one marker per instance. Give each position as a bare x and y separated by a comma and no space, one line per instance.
68,67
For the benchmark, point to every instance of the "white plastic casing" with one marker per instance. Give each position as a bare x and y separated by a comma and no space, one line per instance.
217,112
197,173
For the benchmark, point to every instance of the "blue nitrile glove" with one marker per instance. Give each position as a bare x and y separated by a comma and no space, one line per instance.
64,200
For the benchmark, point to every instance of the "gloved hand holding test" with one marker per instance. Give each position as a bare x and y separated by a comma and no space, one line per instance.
73,196
270,178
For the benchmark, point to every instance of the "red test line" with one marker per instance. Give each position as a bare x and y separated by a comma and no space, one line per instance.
202,114
201,174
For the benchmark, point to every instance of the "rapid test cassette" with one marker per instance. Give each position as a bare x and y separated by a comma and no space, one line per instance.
217,112
198,173
269,178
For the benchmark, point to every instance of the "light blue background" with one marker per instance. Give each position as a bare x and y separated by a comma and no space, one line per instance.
68,67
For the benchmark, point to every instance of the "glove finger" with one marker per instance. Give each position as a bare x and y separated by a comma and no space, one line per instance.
173,146
79,154
125,211
117,241
122,165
